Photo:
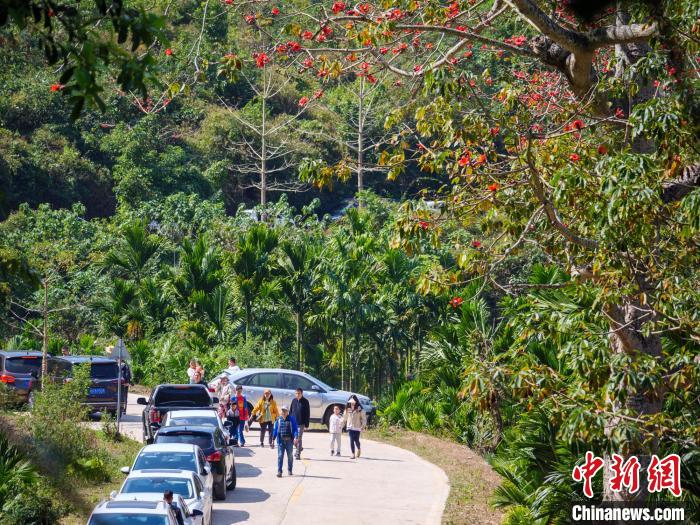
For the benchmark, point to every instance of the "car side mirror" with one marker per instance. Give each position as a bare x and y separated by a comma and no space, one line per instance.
141,401
205,471
125,470
113,494
316,388
196,512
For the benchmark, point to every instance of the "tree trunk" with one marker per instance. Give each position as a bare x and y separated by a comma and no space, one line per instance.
342,357
45,334
263,159
298,320
360,141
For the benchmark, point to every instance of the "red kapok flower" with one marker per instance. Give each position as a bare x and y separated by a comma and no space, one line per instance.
578,124
574,157
423,224
482,158
338,7
417,68
275,11
383,50
294,47
476,244
307,35
494,187
602,150
456,302
57,87
318,93
249,19
261,60
494,130
464,159
619,113
229,2
281,48
168,52
303,101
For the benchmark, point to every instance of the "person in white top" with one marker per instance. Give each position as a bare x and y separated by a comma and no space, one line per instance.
335,428
232,366
192,369
224,391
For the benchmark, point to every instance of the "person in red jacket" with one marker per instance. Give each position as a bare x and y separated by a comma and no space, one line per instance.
239,408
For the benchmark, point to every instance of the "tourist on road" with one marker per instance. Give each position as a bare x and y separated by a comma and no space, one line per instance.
239,407
286,432
267,409
168,498
302,413
197,378
335,428
356,421
192,369
224,391
232,366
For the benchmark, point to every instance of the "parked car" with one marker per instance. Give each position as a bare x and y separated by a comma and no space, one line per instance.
166,398
182,482
149,510
283,383
176,456
206,416
104,381
20,372
218,451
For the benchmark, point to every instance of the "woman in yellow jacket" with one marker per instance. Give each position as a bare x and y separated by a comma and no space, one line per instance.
267,409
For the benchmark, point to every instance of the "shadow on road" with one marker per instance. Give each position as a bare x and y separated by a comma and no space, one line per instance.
243,452
244,470
246,495
318,477
379,459
231,516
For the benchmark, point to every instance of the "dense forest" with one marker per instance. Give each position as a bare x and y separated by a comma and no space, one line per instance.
485,214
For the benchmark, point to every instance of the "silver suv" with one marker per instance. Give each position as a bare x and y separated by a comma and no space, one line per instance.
283,383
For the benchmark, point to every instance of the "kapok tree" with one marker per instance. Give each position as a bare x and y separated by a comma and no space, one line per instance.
578,136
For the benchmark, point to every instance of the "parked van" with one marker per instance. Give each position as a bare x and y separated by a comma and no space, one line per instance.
104,372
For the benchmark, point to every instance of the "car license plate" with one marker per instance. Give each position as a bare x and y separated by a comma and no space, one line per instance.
97,391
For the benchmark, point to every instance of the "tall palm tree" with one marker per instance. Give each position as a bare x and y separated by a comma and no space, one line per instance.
297,276
251,264
134,253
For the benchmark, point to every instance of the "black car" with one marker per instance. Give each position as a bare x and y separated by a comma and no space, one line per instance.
165,398
211,440
104,380
21,373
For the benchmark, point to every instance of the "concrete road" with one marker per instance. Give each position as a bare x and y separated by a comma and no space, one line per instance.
387,485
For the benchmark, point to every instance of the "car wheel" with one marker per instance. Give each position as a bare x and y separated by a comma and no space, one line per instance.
232,483
220,490
327,415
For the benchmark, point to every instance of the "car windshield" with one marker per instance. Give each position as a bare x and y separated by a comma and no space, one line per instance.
323,385
183,395
104,371
128,519
24,364
166,460
211,421
180,486
200,439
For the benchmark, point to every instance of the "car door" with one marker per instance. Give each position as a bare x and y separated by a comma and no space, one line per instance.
314,396
208,480
258,383
205,497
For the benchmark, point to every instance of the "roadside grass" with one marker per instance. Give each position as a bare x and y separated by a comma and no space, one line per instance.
72,491
472,480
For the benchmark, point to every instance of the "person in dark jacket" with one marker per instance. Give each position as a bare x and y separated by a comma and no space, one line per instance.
168,498
285,432
302,413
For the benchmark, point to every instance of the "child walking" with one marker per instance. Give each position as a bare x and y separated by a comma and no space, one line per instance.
335,428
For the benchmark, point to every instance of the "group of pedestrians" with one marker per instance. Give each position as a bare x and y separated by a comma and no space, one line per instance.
282,425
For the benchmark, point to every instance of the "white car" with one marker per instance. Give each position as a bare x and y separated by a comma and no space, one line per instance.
149,510
206,416
183,483
174,456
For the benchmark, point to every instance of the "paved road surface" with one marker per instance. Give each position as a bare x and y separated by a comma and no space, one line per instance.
387,485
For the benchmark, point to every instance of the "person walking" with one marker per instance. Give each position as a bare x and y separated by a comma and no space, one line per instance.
224,391
239,407
356,421
335,429
268,412
192,369
302,413
232,366
286,432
